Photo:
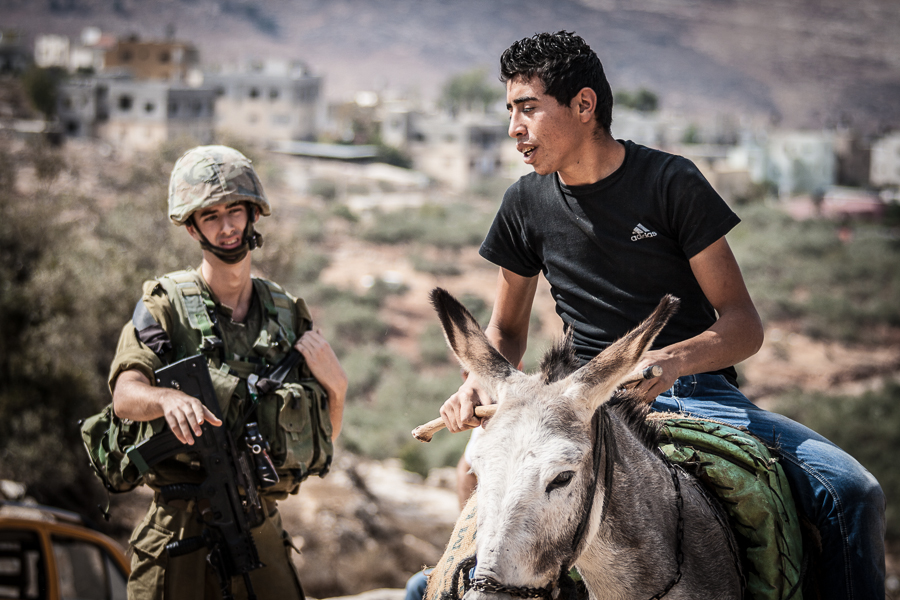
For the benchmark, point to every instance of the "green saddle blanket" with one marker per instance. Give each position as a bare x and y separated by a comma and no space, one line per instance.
753,489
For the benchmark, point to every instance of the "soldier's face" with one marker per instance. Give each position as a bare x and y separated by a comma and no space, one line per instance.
222,225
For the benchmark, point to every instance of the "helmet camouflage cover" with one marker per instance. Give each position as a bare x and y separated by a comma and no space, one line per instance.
208,175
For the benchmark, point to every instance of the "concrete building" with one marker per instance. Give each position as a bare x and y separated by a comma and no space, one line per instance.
136,115
14,57
801,162
162,60
144,114
59,51
51,51
272,101
462,152
83,106
853,155
885,165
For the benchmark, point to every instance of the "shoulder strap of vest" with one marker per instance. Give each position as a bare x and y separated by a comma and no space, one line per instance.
279,307
186,288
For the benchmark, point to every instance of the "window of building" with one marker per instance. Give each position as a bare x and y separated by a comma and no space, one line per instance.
254,92
173,109
125,55
164,57
306,93
273,94
125,102
149,107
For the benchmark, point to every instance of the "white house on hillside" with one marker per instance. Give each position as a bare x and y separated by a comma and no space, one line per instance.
276,100
801,161
885,166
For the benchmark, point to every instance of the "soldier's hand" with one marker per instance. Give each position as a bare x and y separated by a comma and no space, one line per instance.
323,362
326,368
185,414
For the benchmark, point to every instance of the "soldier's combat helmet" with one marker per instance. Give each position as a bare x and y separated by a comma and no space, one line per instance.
208,175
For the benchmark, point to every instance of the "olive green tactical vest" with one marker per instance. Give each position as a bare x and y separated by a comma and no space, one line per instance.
294,418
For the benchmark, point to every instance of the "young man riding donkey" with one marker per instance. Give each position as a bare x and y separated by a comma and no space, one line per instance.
614,227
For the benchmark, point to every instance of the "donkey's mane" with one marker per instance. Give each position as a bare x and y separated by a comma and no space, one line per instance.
633,411
560,361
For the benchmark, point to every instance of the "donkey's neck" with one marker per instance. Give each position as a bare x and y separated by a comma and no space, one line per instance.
631,552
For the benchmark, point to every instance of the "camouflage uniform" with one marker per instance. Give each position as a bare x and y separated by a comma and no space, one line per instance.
204,177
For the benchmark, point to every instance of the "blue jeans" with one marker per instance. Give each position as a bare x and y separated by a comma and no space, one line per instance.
416,585
836,493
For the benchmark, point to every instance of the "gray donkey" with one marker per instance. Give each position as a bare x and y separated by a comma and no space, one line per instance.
566,476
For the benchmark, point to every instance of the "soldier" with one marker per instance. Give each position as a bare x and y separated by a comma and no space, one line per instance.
242,325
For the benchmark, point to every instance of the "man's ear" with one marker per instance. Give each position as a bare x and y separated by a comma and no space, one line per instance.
255,211
586,103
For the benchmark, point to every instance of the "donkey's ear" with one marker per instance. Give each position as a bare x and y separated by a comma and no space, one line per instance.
606,371
464,336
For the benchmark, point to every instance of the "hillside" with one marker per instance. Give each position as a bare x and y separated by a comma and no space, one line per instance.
807,63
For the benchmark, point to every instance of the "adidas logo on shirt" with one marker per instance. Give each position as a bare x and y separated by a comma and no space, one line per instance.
640,232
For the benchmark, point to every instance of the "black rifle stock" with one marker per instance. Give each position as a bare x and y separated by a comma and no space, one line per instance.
227,536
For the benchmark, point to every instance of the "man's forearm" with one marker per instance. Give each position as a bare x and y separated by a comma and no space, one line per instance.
511,347
135,399
731,339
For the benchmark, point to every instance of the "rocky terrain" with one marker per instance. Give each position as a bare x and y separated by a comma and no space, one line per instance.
809,63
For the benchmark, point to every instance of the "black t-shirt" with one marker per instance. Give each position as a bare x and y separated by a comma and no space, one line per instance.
611,250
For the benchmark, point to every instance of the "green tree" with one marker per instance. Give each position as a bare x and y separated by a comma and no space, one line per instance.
42,88
470,90
642,100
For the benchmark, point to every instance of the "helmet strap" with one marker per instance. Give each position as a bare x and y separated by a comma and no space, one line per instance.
251,240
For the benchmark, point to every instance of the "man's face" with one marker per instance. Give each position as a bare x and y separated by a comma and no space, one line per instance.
222,225
547,133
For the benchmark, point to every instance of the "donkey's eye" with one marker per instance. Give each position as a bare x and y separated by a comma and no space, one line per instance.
561,480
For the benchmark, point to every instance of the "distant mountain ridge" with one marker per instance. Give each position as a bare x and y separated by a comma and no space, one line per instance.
803,63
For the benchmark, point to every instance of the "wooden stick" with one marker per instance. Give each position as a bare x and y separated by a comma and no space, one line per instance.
425,432
648,373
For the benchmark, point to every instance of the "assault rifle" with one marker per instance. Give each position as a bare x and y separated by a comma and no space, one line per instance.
228,469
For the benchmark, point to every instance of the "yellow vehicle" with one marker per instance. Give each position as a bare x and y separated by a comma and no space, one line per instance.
49,554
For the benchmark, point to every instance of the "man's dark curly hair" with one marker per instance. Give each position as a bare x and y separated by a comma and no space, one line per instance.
565,64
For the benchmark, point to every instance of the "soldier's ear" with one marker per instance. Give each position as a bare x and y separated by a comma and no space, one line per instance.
191,229
254,211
